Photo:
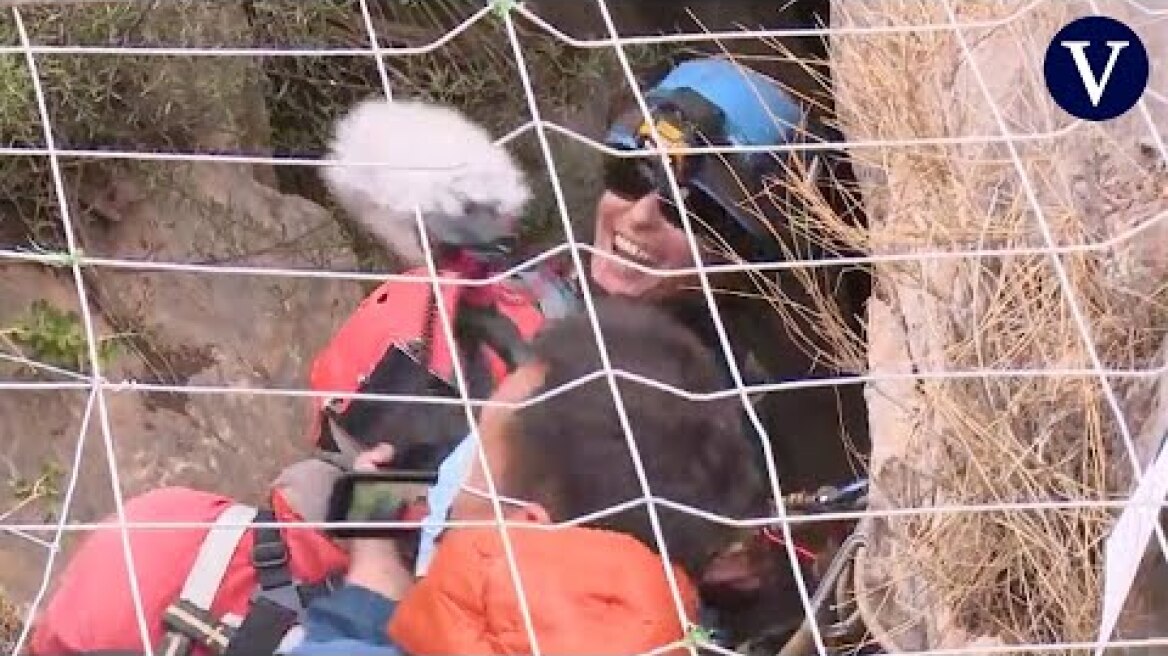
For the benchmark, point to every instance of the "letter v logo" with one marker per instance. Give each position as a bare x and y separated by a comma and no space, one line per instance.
1096,68
1079,52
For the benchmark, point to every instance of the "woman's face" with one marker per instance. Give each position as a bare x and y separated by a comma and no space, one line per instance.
638,231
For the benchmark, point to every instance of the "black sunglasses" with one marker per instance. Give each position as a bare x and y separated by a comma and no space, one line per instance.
633,178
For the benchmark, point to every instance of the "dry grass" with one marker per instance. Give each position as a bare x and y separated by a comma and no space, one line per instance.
1022,576
11,622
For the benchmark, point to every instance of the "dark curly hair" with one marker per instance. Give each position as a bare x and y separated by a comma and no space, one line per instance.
571,453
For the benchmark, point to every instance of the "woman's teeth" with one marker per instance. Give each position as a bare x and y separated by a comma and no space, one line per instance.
627,248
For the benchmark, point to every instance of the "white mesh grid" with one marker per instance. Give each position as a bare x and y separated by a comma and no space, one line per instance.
98,385
98,394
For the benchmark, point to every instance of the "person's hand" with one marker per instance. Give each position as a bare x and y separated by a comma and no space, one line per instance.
375,563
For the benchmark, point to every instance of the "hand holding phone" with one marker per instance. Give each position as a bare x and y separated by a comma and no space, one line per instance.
373,496
379,557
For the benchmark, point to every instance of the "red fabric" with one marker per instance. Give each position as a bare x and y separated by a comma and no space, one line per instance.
589,592
394,314
523,311
92,607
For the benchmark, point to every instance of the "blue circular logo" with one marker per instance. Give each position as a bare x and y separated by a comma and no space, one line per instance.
1096,68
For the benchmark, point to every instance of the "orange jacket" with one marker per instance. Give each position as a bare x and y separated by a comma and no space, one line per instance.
589,592
92,610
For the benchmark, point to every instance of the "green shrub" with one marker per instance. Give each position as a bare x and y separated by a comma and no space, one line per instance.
56,337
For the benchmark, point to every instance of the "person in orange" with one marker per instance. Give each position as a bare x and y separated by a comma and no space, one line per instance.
603,586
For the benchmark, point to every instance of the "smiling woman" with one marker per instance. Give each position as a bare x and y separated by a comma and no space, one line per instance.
635,229
709,102
739,214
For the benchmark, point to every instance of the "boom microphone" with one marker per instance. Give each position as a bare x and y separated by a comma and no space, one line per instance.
469,190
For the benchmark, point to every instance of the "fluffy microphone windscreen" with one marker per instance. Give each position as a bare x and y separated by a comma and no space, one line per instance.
395,156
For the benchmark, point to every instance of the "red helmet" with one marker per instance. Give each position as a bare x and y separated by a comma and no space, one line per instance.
394,344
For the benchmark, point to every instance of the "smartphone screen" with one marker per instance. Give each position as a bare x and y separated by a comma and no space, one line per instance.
362,497
374,501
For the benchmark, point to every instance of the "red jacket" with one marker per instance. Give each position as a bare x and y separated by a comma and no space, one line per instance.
92,609
589,592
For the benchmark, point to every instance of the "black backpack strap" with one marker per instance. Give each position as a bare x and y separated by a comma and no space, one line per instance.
269,557
263,629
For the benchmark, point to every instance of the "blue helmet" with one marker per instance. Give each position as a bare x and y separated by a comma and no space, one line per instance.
712,102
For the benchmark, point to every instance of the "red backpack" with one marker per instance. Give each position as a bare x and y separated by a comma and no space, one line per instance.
231,589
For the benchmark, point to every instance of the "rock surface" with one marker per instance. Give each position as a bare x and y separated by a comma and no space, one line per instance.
1094,184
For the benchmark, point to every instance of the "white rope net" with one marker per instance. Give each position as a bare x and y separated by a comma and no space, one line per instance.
96,449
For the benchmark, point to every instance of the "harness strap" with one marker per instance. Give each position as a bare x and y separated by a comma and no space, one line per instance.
182,620
278,605
204,579
263,629
269,557
190,623
274,610
215,555
269,554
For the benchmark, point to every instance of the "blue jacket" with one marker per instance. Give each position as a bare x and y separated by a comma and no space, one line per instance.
348,622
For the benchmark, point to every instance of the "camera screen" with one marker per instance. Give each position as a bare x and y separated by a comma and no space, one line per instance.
374,501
